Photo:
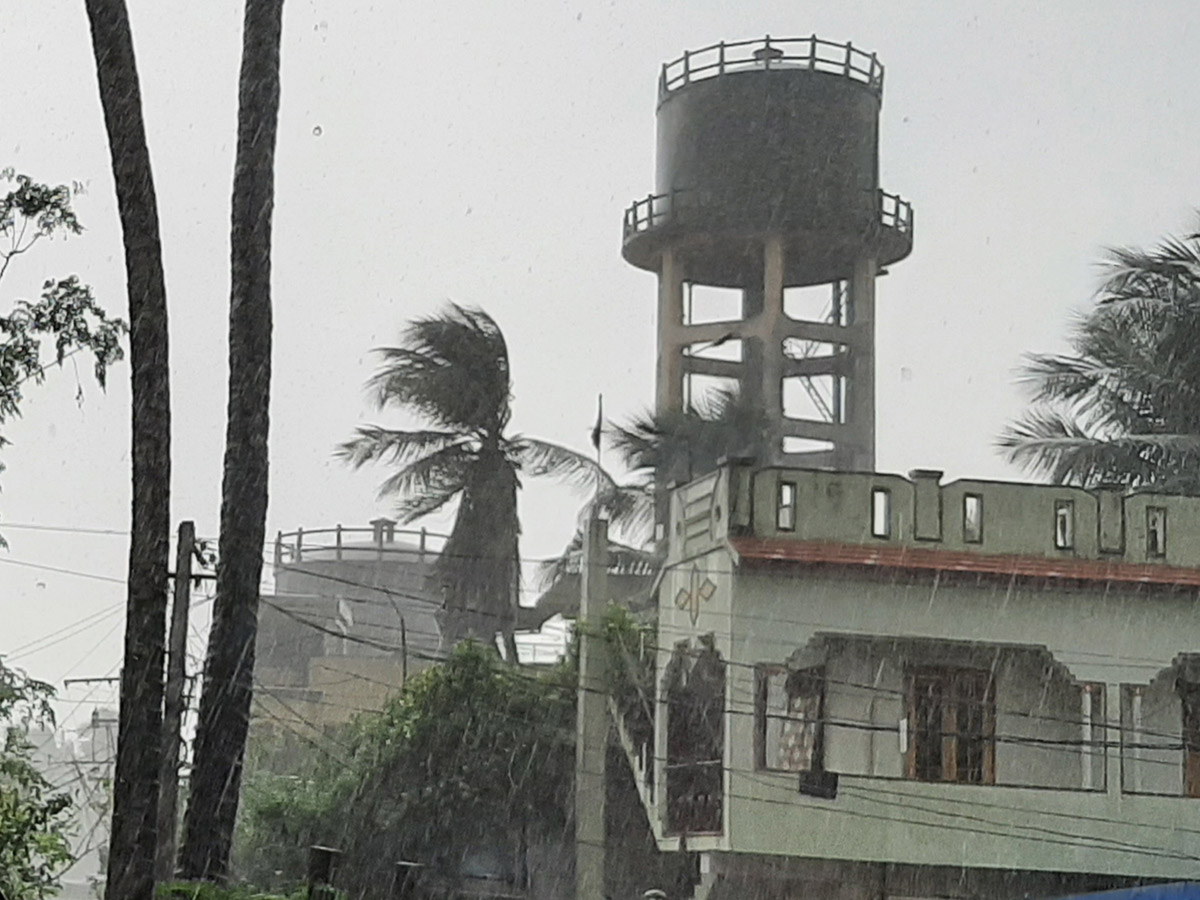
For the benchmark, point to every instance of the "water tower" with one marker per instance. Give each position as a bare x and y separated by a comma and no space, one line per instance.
767,196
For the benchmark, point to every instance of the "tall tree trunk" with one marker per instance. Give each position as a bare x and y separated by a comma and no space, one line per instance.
139,743
228,673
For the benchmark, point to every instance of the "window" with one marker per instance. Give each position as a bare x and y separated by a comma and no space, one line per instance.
1189,695
1156,531
790,710
952,723
1064,524
1093,745
972,518
881,513
785,507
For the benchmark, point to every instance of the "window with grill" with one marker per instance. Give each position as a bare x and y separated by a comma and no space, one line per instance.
790,710
952,726
1189,695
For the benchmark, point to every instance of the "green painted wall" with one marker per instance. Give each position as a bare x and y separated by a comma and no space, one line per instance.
1045,638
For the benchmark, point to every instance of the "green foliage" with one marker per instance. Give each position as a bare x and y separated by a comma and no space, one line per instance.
33,814
681,445
468,751
66,310
1124,406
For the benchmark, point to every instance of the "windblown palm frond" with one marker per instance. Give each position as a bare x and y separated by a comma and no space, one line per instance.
1124,407
543,458
680,445
373,443
452,368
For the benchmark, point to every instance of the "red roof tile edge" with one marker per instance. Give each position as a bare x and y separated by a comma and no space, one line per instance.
902,557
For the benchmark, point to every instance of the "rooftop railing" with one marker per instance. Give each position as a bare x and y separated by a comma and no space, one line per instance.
382,541
656,210
767,53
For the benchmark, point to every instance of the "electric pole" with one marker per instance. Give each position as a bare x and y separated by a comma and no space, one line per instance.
591,736
168,798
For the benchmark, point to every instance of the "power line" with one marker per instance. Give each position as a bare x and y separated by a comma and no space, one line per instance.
63,529
773,621
61,571
1040,833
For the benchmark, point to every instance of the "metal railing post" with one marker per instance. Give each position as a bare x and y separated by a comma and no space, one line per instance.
278,549
812,52
338,539
299,544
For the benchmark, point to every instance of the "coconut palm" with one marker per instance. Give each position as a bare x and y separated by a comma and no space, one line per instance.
229,667
139,748
679,445
1124,406
659,448
452,370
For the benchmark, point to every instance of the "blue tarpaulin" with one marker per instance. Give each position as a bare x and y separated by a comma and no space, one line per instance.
1179,890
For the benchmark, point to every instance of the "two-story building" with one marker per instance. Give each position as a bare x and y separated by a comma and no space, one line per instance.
877,686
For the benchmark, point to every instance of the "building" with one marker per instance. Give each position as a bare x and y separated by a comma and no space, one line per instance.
877,686
80,764
351,617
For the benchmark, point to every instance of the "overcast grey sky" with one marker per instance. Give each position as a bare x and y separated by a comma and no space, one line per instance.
484,152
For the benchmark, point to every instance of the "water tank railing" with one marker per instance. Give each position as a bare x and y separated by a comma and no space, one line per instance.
355,544
657,210
759,54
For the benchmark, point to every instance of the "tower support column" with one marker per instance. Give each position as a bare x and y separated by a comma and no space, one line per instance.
859,446
772,326
669,383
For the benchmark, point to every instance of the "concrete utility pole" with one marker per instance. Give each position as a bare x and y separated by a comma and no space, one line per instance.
168,796
591,723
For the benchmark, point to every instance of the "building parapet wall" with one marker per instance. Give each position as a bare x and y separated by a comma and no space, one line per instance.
890,515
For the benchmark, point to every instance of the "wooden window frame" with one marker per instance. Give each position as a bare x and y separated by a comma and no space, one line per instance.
951,677
1189,731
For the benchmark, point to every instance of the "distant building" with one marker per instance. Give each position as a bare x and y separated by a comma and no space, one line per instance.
352,614
874,686
81,764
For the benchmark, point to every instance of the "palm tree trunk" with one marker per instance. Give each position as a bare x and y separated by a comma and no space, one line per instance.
228,675
139,745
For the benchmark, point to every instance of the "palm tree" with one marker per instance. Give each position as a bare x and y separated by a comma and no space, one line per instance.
679,445
139,746
1124,406
228,671
661,448
452,370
